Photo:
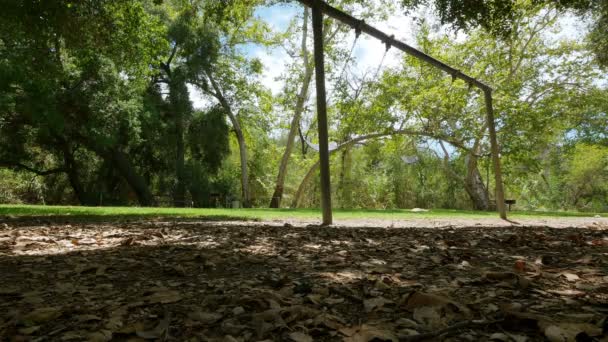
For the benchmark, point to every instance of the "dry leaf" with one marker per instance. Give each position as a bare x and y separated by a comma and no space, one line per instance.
300,337
429,316
570,293
568,332
366,333
100,336
29,330
205,317
159,331
87,318
570,276
375,303
163,297
520,266
509,278
421,299
42,315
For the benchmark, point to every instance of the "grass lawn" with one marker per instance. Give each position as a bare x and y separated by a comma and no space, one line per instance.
263,214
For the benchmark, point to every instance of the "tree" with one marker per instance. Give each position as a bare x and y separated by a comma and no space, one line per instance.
193,48
422,101
70,79
499,16
299,78
234,81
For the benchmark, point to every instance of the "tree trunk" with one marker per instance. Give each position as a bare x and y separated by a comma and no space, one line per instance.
179,199
344,183
122,163
180,105
240,137
72,173
277,196
474,185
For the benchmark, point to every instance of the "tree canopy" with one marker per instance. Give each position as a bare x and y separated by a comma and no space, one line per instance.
170,103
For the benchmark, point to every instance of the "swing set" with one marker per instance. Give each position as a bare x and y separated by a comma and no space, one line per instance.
321,8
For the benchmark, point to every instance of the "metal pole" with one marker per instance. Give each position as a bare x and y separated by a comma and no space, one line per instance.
317,25
361,26
500,195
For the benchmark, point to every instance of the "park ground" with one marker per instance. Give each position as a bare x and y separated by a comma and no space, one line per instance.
136,274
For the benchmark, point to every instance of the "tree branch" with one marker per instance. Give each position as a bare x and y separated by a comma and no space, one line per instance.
20,166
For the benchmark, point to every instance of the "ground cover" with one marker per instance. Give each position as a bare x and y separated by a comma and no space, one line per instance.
129,279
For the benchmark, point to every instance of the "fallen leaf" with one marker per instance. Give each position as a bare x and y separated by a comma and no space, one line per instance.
87,318
375,303
421,299
300,337
163,297
366,333
570,332
42,315
570,276
429,316
520,266
29,330
205,317
509,279
160,331
238,311
570,293
500,337
100,336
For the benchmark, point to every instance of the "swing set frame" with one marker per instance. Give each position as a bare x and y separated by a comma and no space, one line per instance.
321,8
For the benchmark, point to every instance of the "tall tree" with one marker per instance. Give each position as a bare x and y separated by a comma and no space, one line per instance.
70,79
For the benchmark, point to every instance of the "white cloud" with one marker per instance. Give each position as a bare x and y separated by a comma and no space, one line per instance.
274,61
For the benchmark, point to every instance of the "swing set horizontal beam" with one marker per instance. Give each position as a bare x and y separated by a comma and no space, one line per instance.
319,8
361,26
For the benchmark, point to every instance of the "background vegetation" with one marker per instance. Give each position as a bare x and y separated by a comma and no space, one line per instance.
96,107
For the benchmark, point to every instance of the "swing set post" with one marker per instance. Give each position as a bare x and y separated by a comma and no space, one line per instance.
499,193
317,26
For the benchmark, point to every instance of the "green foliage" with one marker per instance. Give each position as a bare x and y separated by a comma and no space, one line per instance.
96,100
17,188
208,138
499,17
586,180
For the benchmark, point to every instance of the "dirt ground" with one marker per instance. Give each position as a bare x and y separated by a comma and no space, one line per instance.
375,280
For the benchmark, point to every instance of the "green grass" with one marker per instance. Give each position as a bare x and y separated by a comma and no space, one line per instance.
258,214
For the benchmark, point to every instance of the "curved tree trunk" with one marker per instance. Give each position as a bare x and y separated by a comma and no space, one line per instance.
71,170
277,196
122,163
474,185
240,137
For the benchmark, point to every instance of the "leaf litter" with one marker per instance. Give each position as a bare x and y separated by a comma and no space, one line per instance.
183,280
